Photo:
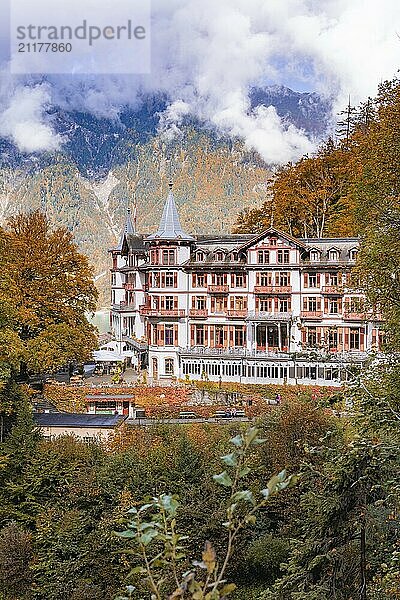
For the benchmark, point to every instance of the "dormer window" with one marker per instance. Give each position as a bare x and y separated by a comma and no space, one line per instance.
333,255
353,253
315,255
272,241
235,256
200,256
219,256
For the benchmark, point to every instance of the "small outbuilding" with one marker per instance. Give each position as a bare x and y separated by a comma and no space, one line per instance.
88,428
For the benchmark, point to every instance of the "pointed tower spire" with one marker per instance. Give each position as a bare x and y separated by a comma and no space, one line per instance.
128,229
170,227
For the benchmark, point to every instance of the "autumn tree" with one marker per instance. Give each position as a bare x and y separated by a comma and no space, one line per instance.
49,289
309,197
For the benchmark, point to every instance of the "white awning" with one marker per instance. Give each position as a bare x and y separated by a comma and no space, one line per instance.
108,356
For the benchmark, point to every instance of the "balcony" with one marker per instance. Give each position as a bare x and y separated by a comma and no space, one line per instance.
272,289
267,316
237,314
311,314
218,289
336,290
124,306
355,316
129,286
146,311
201,313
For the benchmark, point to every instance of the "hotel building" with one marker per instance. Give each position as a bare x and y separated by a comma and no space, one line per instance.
265,308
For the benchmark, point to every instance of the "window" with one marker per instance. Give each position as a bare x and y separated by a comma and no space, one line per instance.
239,302
131,260
169,303
154,257
354,339
353,254
168,257
332,279
219,256
333,306
169,366
311,336
199,302
264,279
312,280
272,241
155,280
235,256
283,279
169,279
219,304
263,257
219,335
113,279
199,280
332,339
265,304
239,336
284,305
283,257
239,280
315,255
200,256
88,439
220,278
312,304
169,335
199,335
333,255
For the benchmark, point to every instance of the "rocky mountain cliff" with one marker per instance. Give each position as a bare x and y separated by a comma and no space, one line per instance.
106,165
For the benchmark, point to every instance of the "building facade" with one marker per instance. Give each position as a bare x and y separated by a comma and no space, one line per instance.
265,308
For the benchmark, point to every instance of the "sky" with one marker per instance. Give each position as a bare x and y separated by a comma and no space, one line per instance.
206,55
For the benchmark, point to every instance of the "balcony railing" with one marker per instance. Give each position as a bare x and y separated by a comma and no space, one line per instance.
268,316
124,306
272,289
355,316
237,313
198,312
332,289
161,312
311,314
218,289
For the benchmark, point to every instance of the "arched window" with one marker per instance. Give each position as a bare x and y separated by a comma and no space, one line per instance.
219,256
200,256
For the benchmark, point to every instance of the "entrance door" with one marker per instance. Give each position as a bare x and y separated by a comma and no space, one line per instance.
273,342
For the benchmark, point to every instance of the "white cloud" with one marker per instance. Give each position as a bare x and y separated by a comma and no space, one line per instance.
25,123
207,54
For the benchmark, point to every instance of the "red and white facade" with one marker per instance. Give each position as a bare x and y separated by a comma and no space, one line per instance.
265,308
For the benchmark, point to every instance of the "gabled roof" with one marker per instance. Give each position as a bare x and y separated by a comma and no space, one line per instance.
170,227
275,232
